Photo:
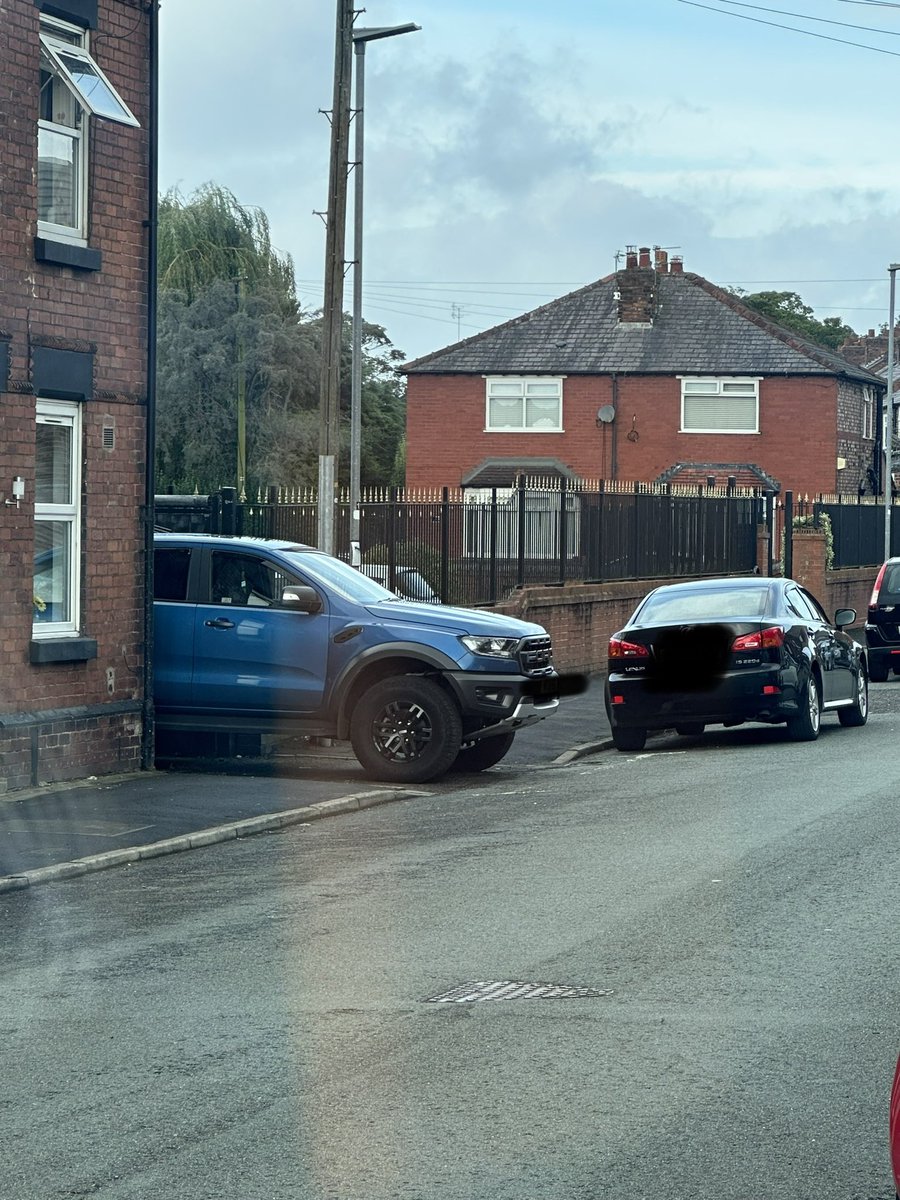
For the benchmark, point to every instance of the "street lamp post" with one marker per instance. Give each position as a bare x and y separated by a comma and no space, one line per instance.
887,434
360,39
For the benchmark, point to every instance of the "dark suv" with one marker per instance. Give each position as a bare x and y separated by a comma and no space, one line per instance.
883,622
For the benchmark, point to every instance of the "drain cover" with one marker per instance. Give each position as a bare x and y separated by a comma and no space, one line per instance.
507,989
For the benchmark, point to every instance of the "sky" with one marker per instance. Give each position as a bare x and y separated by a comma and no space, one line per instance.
514,148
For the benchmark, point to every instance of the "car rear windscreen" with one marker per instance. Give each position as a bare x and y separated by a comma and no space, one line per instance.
705,604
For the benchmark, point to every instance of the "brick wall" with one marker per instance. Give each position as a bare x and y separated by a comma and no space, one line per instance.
797,441
857,452
63,720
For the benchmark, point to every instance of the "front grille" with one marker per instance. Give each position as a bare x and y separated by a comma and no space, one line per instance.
536,656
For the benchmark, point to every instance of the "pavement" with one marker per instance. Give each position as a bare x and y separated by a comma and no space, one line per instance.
59,831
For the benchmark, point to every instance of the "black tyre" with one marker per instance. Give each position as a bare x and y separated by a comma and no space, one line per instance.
878,672
858,712
690,728
628,739
406,729
804,727
479,756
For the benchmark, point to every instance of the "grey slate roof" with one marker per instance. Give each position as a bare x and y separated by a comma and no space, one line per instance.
698,329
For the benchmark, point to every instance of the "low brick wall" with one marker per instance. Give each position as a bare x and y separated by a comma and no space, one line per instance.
580,617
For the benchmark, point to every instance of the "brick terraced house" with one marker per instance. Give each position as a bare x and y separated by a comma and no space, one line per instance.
74,193
650,374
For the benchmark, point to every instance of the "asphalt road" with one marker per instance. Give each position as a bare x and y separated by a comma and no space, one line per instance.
105,817
259,1020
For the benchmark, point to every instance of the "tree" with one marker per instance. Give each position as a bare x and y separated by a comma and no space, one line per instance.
788,309
228,312
212,237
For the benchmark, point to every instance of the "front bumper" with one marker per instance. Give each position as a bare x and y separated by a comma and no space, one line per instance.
501,703
738,696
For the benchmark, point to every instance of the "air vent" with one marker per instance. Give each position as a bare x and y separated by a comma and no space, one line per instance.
109,434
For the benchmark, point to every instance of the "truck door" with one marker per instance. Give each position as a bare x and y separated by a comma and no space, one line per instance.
252,655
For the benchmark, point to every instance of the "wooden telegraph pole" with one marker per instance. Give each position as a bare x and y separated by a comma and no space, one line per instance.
333,305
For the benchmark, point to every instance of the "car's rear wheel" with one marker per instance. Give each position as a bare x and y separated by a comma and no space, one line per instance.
406,729
480,755
878,672
804,727
858,712
690,728
628,739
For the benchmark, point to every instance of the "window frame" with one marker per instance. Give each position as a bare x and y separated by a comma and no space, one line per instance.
59,37
66,414
71,35
523,381
716,387
868,413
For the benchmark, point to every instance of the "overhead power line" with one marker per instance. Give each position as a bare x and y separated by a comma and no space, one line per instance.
819,20
791,28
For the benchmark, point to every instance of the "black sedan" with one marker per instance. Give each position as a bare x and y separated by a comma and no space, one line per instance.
726,651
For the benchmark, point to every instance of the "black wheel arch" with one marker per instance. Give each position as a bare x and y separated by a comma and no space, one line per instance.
381,662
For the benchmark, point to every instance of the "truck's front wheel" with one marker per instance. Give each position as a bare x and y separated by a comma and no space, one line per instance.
480,756
406,729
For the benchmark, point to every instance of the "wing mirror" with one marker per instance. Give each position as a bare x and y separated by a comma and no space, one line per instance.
844,616
303,599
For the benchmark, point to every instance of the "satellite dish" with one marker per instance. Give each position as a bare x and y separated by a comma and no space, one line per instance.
606,414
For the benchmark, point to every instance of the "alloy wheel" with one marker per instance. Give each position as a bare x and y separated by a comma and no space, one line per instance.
402,732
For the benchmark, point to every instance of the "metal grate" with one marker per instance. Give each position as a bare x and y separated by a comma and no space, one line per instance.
507,989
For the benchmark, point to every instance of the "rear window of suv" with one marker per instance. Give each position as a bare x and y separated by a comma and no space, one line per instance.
890,585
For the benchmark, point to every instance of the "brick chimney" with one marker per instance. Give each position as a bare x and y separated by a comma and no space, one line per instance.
677,267
662,260
636,294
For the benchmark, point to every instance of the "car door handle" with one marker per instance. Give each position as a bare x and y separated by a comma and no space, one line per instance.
220,623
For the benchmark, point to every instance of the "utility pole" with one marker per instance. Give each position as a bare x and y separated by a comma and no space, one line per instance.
241,397
887,425
333,304
361,38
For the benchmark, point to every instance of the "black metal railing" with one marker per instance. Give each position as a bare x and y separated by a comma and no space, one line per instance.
476,547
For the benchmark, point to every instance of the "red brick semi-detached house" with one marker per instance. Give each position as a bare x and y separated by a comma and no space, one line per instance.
651,374
74,116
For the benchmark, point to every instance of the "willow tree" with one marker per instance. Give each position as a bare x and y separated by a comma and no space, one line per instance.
211,236
238,360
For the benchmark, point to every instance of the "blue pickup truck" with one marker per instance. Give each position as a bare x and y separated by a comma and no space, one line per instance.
260,636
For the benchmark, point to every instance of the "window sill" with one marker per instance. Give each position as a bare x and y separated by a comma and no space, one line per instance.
721,432
65,254
518,430
62,650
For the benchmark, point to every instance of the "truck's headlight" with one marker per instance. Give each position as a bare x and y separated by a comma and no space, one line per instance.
492,647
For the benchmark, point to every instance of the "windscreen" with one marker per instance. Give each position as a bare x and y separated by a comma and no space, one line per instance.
348,581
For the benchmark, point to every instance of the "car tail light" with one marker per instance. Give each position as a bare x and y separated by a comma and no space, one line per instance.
764,639
620,649
873,603
617,699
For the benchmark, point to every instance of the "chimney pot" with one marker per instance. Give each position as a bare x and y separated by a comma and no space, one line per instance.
644,260
677,265
662,261
630,259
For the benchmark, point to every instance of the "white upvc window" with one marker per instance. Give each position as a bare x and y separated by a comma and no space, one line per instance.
523,404
719,405
72,88
57,518
868,412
